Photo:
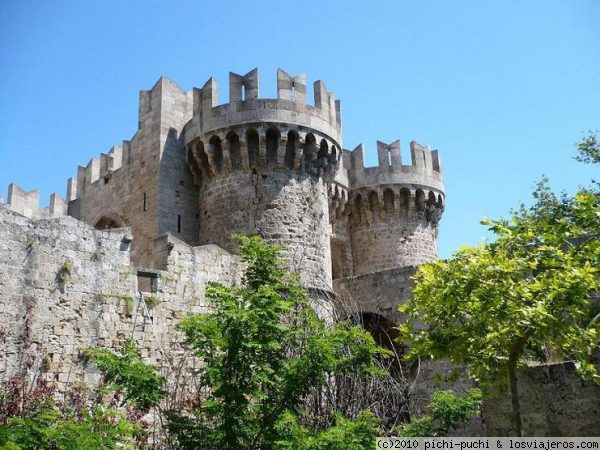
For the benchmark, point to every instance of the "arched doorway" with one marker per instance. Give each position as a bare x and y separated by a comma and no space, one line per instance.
106,223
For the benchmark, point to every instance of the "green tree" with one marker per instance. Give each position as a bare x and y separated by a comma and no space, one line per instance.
264,349
128,373
588,150
524,297
446,412
97,429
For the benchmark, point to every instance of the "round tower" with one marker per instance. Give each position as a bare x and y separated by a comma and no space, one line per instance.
262,167
394,209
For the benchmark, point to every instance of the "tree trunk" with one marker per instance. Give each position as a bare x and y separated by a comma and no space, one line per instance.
514,393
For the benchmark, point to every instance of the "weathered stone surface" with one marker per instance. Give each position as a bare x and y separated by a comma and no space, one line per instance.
65,285
194,173
554,402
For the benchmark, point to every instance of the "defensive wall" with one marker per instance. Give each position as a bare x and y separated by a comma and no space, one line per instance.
65,285
146,225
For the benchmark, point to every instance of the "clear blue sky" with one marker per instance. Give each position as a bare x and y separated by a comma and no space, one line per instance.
503,89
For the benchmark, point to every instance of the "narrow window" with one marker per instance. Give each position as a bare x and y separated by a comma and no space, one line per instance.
243,92
293,91
178,223
147,282
144,201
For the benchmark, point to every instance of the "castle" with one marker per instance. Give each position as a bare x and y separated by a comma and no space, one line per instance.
146,226
197,171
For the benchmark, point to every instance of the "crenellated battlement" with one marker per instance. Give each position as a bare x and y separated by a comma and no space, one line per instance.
425,168
102,168
27,203
98,170
245,106
201,170
393,208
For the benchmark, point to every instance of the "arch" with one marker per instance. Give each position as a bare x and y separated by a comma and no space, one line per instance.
323,150
202,157
383,330
290,149
108,222
216,150
420,200
374,202
252,142
272,140
333,155
322,155
404,200
388,200
431,200
235,152
358,206
310,150
440,201
193,164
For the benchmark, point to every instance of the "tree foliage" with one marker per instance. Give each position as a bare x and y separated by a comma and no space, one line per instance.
588,150
526,296
97,429
130,374
344,434
264,348
447,411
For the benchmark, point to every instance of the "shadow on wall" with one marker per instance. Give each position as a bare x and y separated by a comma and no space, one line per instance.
554,402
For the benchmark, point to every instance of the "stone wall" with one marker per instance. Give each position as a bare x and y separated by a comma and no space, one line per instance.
290,106
554,402
28,203
379,292
65,285
145,184
388,240
287,207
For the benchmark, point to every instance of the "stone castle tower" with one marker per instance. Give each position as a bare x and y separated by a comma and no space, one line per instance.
156,214
201,171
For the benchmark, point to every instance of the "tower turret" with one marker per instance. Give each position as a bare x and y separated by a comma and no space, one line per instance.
262,167
394,209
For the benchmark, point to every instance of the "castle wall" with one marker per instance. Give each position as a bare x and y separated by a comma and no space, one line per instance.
379,292
65,285
145,184
28,203
341,245
262,167
394,209
290,106
289,208
178,195
554,402
388,237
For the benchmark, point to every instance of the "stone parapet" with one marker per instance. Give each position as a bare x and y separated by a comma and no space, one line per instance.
245,106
